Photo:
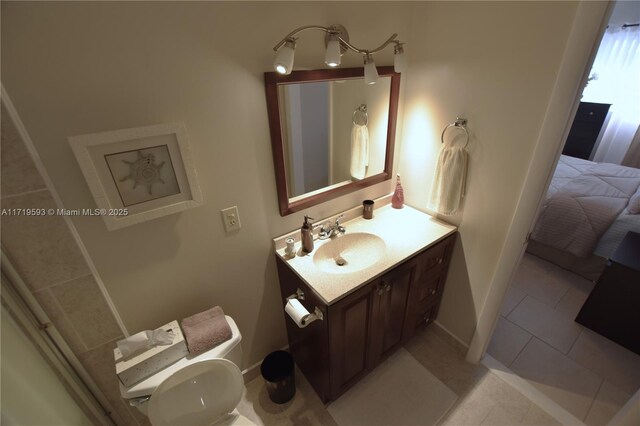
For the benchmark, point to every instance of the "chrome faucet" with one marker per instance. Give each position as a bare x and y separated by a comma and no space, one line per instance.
327,230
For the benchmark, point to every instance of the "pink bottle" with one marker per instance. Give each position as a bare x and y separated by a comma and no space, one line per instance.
397,200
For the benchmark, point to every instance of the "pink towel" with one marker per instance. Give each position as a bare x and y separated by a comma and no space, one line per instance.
205,330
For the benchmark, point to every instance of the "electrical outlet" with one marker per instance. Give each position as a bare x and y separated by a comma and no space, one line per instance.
231,219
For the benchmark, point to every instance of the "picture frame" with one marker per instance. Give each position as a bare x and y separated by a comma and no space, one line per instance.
138,174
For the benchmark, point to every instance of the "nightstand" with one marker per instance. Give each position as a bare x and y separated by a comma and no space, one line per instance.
613,307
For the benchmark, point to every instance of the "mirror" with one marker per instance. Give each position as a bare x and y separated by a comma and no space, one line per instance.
331,133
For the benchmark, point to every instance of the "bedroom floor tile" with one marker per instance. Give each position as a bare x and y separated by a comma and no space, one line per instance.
574,298
540,284
511,299
507,341
547,324
557,376
608,402
574,280
615,363
587,374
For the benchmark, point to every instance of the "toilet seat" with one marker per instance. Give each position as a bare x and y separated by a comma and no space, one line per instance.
201,394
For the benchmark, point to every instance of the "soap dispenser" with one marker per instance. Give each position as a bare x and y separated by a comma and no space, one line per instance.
397,200
307,235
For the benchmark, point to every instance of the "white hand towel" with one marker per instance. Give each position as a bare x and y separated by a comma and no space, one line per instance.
449,182
359,151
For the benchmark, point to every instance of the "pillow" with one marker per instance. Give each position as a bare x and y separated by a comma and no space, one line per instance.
634,203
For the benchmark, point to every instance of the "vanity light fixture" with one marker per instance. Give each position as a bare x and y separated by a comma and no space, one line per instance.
399,58
337,43
370,71
332,58
284,60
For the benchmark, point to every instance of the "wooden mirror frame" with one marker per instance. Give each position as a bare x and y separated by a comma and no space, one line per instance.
272,79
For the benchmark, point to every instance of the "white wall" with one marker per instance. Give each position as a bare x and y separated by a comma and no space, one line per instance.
494,64
82,67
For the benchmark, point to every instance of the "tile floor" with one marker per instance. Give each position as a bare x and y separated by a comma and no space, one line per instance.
482,397
537,338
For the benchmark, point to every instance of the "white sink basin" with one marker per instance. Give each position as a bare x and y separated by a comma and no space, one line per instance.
350,253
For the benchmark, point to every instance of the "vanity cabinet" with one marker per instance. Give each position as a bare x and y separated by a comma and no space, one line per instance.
366,326
363,328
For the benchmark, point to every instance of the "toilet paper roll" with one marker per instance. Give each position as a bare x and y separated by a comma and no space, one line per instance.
297,312
290,250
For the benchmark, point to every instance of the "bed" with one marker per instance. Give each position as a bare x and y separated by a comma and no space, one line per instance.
588,210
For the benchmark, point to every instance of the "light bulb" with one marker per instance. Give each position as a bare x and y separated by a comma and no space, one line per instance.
399,59
370,71
284,60
332,58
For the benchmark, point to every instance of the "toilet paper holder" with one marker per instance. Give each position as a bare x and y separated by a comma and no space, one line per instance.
309,317
299,294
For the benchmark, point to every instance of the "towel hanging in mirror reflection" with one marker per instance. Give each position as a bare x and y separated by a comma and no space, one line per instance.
360,115
359,142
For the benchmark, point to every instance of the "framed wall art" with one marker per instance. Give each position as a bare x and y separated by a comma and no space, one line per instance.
138,174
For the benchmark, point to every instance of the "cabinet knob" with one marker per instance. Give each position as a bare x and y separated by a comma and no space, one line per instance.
439,260
384,287
426,319
433,291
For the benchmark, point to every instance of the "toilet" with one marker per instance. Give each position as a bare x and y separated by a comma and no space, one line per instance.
196,390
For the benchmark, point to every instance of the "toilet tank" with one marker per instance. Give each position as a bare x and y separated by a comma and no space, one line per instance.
230,349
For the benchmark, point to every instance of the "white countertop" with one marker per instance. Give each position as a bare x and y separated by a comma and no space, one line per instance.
405,232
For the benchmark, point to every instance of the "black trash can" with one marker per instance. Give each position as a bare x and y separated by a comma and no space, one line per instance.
278,372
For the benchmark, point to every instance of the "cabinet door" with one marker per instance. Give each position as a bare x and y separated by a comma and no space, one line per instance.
390,303
349,340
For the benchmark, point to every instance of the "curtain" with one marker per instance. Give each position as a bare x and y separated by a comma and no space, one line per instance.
632,159
615,80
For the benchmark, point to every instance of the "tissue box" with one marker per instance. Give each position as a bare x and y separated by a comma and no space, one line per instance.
138,367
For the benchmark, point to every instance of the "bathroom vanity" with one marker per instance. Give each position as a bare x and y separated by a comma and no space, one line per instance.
391,285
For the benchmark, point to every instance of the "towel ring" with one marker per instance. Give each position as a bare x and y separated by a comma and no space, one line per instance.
460,123
360,116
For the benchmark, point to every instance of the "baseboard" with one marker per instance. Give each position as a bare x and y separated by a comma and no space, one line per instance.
449,337
248,374
559,413
253,371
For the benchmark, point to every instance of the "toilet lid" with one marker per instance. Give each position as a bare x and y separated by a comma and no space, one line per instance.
199,394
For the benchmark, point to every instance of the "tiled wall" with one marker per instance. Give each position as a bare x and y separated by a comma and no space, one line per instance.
47,257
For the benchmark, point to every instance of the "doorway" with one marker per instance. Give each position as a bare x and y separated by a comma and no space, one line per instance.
536,337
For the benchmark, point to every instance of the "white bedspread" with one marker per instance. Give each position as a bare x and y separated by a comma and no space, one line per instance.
583,200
